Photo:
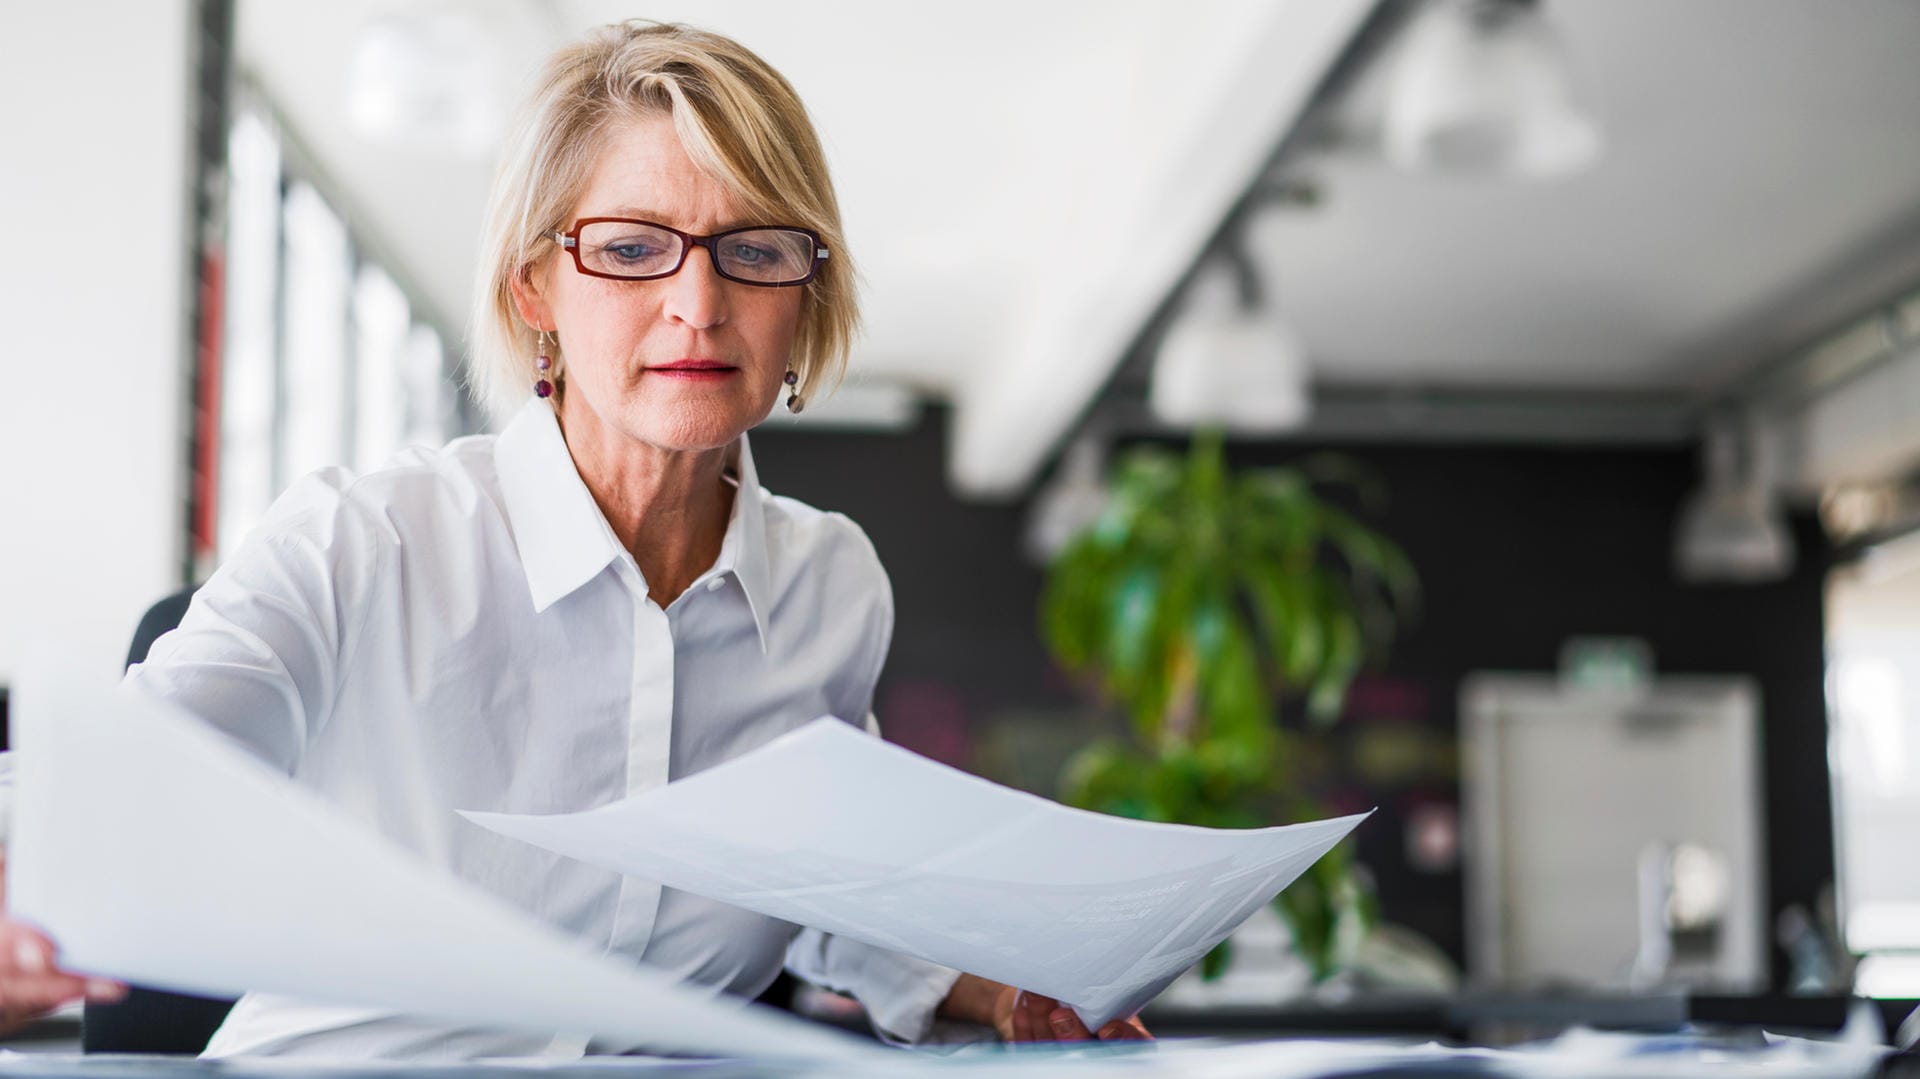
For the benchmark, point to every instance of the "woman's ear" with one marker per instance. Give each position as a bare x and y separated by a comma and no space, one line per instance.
528,299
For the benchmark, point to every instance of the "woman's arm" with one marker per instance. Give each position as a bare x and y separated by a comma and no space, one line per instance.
257,656
259,653
974,999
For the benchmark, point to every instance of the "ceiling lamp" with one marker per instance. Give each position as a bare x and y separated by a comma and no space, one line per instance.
1228,362
425,79
1733,530
1484,88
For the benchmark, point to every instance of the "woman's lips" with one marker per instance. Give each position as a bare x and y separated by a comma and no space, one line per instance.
695,373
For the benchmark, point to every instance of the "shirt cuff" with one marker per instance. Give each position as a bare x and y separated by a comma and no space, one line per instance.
900,993
902,998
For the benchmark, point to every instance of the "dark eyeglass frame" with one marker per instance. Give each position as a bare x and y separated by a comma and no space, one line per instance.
570,239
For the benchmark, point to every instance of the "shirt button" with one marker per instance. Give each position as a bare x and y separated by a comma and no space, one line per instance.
714,585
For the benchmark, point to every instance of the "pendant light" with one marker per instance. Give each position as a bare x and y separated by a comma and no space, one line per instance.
1484,87
1230,360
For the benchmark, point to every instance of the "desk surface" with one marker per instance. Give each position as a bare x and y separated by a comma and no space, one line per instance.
1286,1042
1279,1059
1476,1018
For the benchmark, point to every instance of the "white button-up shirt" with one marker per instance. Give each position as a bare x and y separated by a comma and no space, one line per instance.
463,630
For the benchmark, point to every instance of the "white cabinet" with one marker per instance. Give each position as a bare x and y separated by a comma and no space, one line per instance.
1614,840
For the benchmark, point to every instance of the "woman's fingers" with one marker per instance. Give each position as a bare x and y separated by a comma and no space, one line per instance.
27,997
30,983
1003,1012
31,953
1066,1025
1039,1009
1033,1017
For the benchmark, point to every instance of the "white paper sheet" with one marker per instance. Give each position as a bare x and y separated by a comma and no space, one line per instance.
153,850
831,828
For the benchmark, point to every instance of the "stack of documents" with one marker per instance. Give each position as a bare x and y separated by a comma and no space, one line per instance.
832,828
154,851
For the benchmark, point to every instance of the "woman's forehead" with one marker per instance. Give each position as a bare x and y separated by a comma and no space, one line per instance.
643,171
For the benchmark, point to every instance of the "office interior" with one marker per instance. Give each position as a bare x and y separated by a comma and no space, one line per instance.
1632,381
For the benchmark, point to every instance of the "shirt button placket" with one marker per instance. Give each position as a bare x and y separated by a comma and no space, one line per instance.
649,750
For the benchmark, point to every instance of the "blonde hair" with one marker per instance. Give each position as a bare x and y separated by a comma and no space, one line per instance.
737,118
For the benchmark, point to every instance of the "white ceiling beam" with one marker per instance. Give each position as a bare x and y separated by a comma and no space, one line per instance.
1012,416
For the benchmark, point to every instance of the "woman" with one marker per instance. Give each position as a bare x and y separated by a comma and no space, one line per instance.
600,599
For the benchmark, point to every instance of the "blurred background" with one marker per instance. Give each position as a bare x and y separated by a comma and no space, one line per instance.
1560,359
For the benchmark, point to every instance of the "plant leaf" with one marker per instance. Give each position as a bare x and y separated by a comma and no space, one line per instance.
1345,651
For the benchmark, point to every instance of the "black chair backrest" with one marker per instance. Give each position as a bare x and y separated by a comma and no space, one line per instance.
150,1020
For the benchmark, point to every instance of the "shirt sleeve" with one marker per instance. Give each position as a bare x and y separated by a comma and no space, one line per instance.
259,651
900,993
257,654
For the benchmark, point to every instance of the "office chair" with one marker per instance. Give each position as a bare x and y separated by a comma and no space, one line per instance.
156,1021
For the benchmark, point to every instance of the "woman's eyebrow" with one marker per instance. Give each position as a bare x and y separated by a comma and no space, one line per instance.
634,211
641,213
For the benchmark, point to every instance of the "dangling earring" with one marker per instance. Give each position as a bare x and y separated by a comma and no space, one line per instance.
794,401
544,364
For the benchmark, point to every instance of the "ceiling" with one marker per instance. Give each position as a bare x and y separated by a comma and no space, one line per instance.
1024,183
1760,184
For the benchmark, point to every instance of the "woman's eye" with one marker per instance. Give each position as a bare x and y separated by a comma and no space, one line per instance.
629,252
750,254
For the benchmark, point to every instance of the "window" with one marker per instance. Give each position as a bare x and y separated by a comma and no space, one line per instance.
1873,644
326,357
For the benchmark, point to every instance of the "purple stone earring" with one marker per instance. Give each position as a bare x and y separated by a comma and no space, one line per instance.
794,402
542,386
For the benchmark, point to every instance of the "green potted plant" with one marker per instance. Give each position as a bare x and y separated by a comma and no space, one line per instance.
1205,602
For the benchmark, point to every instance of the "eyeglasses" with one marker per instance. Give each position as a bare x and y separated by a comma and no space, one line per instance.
629,250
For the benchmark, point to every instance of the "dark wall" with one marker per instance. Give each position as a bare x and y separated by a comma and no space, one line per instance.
966,650
1518,549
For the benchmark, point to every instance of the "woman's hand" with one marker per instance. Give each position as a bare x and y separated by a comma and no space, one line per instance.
31,984
1020,1016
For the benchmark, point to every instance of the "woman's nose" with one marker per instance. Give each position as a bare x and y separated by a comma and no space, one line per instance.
697,295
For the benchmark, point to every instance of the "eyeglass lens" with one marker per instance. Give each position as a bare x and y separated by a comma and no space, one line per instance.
758,256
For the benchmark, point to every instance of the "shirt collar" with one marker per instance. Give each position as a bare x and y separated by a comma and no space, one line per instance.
565,540
744,551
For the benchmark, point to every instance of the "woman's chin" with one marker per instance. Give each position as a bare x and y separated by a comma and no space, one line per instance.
691,425
674,417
